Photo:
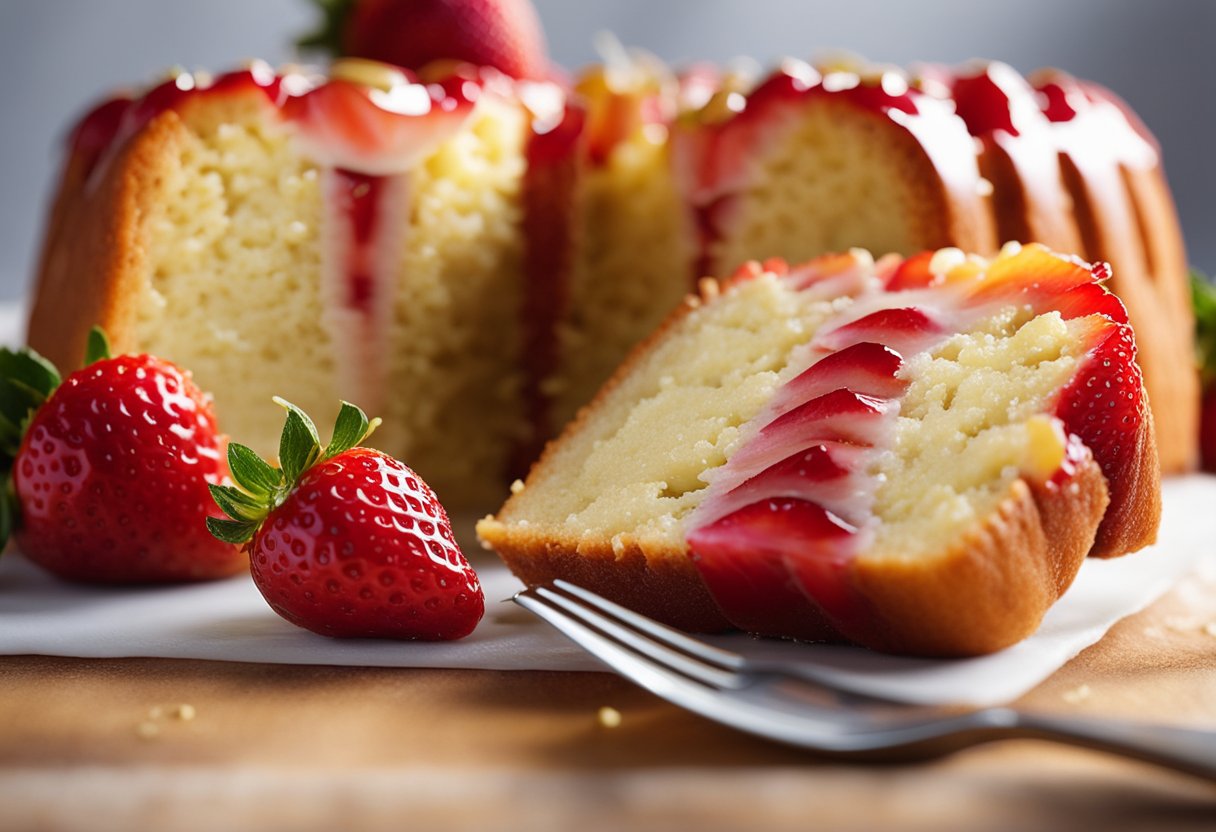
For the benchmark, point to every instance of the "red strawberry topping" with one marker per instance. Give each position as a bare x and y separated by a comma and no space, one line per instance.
1104,406
379,131
743,560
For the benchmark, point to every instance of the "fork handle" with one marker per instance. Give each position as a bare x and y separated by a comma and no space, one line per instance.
1184,749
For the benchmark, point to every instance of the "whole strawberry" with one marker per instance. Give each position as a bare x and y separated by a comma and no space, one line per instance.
347,541
504,34
1203,297
111,474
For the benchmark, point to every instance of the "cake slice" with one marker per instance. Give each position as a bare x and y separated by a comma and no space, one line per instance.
911,455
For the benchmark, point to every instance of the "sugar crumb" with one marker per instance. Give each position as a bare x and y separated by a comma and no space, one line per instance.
609,717
1077,695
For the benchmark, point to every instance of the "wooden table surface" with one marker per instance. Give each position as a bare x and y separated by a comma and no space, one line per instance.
100,744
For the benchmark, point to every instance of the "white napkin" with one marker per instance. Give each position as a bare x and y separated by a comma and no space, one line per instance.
228,620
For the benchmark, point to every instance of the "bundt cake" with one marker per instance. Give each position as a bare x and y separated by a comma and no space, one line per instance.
470,256
911,455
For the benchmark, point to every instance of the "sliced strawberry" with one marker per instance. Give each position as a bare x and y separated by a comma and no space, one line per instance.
1034,275
905,329
914,273
1104,405
379,131
1090,299
838,416
822,473
742,558
867,368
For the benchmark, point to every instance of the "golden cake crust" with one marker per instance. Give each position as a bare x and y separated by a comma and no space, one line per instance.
95,246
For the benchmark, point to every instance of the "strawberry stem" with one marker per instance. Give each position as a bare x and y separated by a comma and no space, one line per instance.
1203,296
26,381
328,37
98,346
260,488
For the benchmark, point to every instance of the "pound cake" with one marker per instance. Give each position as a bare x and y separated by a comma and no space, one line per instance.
471,256
911,455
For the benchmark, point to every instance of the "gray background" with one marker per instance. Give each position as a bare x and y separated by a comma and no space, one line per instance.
57,56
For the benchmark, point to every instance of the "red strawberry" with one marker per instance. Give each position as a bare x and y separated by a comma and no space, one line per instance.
1203,296
347,541
111,478
1207,430
504,34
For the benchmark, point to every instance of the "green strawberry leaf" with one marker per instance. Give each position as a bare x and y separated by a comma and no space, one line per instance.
29,370
350,428
7,512
98,346
299,446
231,531
1203,297
16,405
329,36
261,488
237,504
251,472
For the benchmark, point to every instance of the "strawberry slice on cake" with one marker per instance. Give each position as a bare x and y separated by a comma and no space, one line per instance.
911,455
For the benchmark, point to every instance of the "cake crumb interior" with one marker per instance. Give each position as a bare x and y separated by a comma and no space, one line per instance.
637,464
962,434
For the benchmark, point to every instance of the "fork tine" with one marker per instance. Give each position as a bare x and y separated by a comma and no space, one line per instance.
661,632
637,643
656,678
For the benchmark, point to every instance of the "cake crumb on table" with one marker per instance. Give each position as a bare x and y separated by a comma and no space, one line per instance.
147,730
185,712
1077,695
609,717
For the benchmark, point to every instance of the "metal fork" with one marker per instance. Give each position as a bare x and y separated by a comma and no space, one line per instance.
728,688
